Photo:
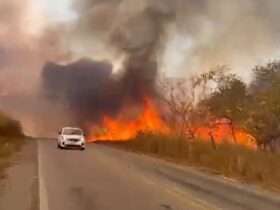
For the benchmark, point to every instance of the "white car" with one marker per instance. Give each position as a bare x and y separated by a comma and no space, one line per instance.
71,138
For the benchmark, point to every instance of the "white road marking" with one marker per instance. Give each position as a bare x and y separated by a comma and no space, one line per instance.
43,196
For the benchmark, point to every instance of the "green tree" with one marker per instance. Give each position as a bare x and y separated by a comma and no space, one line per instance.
264,110
228,100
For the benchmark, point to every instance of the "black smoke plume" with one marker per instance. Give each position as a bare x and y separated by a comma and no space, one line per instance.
91,90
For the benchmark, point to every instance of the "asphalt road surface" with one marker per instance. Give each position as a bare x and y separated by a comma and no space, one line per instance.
103,178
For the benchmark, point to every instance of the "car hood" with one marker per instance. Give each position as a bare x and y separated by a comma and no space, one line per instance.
73,136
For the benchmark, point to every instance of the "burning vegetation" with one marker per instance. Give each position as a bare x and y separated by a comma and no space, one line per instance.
117,129
181,38
216,106
119,107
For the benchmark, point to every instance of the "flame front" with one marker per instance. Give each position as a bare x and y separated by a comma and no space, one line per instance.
149,119
120,129
223,133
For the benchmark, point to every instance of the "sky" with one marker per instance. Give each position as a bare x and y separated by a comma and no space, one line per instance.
57,10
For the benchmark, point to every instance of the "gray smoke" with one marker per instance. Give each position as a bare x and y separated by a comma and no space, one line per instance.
26,43
157,35
178,37
131,27
187,36
90,88
24,47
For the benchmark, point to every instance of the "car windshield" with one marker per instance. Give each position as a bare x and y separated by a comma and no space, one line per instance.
72,131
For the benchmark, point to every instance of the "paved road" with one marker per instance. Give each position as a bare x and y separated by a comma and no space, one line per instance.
102,178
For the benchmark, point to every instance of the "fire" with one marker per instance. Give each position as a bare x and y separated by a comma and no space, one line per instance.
121,129
149,119
224,133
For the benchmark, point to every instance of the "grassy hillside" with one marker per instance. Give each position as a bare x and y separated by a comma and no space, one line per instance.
230,160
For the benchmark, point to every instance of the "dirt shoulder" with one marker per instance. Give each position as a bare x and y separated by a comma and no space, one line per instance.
19,186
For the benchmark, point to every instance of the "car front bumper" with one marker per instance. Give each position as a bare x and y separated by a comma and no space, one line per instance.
73,144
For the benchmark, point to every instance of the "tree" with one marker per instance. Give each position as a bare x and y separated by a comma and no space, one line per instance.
183,96
264,108
180,99
228,100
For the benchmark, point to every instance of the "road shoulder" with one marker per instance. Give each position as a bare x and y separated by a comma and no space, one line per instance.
19,189
214,188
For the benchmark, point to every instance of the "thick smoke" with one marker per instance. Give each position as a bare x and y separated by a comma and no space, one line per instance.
239,33
133,28
91,90
178,37
86,86
181,36
25,44
198,34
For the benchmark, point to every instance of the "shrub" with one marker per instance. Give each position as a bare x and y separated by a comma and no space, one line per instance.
9,127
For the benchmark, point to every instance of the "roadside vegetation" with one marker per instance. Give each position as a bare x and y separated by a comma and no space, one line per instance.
11,139
219,94
206,99
258,167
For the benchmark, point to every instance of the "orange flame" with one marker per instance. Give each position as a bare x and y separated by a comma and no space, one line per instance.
120,129
223,133
150,120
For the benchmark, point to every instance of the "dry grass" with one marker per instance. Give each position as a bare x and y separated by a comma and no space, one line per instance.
8,146
230,160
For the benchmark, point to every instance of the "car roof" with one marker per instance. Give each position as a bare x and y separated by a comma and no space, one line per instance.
71,128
